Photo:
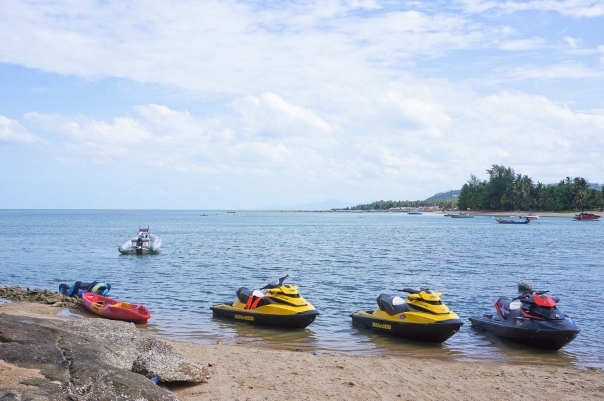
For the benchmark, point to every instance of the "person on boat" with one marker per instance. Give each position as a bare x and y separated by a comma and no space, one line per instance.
524,287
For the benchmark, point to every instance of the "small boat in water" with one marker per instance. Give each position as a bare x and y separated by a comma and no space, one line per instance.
513,220
461,216
144,242
414,212
586,217
114,309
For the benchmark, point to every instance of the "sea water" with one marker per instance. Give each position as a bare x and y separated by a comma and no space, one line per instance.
341,261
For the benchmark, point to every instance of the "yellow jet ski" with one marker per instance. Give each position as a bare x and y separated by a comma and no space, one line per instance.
422,316
275,304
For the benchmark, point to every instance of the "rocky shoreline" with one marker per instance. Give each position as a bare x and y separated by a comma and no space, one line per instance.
46,356
84,359
46,297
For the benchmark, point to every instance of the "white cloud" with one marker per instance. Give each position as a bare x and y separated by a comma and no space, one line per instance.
601,48
12,131
554,72
574,8
416,137
272,133
260,153
523,44
418,104
572,42
534,131
122,131
271,117
226,46
68,161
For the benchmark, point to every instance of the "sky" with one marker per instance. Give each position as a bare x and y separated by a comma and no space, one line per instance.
242,104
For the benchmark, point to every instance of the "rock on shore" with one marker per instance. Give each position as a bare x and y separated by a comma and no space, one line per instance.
87,359
47,297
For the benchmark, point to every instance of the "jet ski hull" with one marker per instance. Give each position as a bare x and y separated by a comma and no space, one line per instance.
552,334
280,317
435,332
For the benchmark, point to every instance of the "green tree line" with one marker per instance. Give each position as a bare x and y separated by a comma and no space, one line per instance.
385,205
505,190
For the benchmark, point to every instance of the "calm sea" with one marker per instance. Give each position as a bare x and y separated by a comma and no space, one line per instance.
341,261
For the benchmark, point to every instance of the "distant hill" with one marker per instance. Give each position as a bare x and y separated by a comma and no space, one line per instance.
445,196
325,205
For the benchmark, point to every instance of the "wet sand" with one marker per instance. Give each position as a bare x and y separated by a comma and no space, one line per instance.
240,372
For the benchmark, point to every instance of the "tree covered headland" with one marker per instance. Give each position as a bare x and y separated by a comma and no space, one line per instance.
385,205
505,190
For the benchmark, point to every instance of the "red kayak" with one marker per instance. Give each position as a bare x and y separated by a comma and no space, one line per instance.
114,309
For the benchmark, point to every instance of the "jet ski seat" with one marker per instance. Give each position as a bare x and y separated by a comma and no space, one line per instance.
392,305
509,309
258,297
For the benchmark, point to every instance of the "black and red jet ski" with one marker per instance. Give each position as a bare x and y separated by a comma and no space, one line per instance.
531,319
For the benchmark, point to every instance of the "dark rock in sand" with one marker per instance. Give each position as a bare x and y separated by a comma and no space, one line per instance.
48,297
90,359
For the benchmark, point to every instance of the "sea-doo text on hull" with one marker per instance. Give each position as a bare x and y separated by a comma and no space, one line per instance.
275,304
422,316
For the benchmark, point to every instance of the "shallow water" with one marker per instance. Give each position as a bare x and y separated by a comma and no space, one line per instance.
341,261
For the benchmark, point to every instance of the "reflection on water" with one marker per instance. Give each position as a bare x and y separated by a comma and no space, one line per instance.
341,261
508,351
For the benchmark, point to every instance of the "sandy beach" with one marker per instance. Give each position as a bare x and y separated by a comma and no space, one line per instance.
240,372
568,215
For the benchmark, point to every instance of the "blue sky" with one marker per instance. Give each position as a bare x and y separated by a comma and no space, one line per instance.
226,104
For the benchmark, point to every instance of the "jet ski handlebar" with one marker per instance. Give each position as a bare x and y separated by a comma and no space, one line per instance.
530,294
275,284
413,290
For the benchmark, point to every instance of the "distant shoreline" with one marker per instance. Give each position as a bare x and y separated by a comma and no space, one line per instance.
473,213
